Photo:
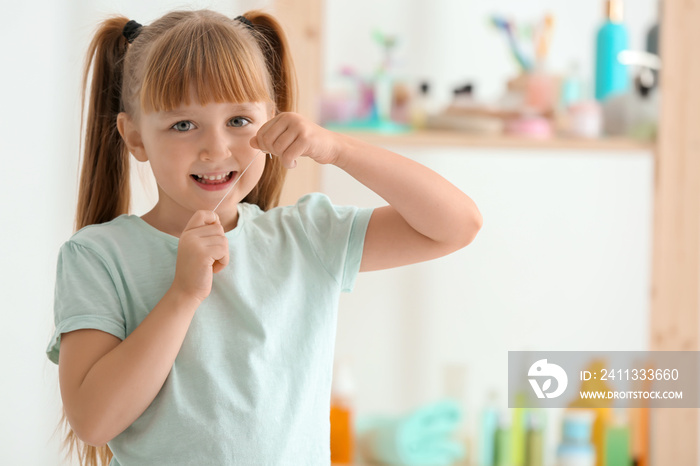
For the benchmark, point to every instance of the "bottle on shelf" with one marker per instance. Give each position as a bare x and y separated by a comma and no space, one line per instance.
504,441
577,446
534,450
455,388
420,106
611,76
342,414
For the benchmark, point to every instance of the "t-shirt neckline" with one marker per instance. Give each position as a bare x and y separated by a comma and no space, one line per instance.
174,239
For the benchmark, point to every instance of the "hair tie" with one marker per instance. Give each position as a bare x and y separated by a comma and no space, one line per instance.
245,21
131,30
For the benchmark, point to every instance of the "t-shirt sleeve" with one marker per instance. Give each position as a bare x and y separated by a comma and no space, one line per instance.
85,296
336,234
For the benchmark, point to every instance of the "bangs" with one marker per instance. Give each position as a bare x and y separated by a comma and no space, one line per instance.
210,60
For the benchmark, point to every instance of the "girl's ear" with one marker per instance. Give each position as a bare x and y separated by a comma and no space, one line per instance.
131,136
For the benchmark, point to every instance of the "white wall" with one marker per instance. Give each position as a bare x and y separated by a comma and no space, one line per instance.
562,263
35,194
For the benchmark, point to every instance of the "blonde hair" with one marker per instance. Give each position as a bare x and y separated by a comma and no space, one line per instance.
222,59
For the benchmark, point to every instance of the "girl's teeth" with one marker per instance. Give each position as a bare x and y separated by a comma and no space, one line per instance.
212,178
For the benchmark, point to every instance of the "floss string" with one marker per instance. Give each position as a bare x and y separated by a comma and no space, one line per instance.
239,179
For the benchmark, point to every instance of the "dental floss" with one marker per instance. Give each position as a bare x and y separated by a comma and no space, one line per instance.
235,182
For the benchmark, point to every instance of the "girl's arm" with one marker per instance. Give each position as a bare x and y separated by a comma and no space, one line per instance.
106,383
427,217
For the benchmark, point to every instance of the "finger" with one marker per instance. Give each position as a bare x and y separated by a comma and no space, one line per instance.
268,136
221,256
289,158
268,124
297,148
211,230
202,218
215,246
258,138
220,264
217,267
281,145
224,258
288,162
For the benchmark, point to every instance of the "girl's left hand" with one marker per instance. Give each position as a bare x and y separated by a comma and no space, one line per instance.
289,136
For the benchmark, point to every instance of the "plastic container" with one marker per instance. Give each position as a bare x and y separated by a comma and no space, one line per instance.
504,442
577,426
534,450
585,119
576,448
342,415
576,455
534,127
611,76
420,105
487,435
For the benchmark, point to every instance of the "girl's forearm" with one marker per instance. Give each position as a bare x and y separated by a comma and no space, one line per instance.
429,203
123,383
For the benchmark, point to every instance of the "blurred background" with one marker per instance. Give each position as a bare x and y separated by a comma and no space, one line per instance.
527,106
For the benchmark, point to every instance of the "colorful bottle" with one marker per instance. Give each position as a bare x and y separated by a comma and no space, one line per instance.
419,106
600,425
534,449
617,442
487,437
575,448
455,388
601,410
611,76
342,418
504,442
519,431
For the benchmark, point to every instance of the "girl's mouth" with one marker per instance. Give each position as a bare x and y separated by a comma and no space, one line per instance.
214,183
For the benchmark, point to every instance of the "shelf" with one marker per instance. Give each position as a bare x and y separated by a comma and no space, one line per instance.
443,138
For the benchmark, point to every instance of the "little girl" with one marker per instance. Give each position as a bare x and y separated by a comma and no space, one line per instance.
192,336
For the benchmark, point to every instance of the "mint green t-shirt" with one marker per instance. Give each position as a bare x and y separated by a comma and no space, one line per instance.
251,383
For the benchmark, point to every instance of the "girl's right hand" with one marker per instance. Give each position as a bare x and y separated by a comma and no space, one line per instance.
202,252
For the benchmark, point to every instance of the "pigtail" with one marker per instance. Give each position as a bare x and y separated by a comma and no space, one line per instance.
272,41
104,191
88,455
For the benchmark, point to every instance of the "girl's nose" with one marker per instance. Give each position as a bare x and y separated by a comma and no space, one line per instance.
216,146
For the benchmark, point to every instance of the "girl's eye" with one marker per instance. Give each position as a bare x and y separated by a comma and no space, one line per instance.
239,121
185,125
181,126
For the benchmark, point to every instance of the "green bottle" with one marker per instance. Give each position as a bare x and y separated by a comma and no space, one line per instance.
534,447
617,446
504,443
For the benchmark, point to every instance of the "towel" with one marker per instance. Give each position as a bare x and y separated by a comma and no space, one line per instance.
420,438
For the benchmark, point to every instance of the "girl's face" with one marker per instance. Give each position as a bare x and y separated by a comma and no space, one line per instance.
197,153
